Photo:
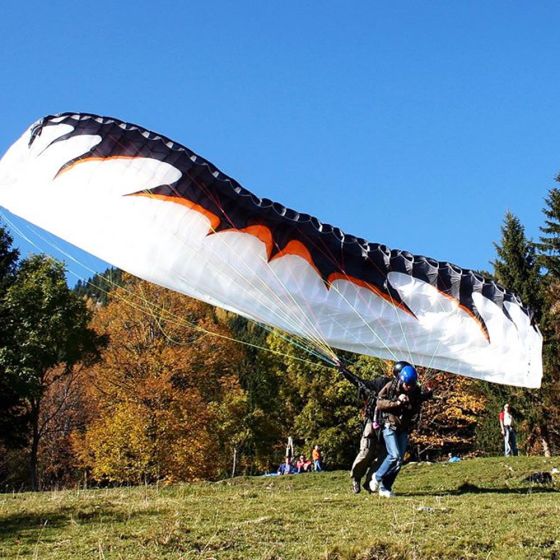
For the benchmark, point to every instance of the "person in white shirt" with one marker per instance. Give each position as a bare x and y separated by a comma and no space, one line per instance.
508,432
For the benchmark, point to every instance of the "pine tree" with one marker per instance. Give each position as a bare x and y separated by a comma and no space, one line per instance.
100,285
549,257
8,259
517,267
549,246
13,421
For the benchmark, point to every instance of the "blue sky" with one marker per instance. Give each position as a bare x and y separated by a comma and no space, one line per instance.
414,124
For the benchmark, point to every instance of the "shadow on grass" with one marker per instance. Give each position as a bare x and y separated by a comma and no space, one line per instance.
468,488
26,525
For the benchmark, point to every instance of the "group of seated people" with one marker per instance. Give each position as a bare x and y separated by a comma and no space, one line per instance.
302,464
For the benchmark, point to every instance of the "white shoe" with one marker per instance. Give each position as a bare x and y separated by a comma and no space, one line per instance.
384,493
373,484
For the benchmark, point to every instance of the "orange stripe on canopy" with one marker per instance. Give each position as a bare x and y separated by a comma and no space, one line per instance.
476,319
263,233
363,284
92,159
214,220
298,249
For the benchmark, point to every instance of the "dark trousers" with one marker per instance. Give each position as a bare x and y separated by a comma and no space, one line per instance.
510,442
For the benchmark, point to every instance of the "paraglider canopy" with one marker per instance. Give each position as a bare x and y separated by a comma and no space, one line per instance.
153,207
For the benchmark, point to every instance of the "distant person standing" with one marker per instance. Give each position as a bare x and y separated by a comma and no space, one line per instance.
508,432
290,449
317,458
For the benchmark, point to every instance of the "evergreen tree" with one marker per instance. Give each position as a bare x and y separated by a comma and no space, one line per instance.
550,389
8,259
516,267
319,406
549,257
99,286
549,246
259,380
12,417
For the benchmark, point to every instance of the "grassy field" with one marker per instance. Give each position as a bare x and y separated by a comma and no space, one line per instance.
479,508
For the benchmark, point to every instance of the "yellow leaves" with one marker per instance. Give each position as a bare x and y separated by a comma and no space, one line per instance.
450,419
162,391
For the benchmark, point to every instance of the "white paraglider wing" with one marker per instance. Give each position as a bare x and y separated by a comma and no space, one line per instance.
161,212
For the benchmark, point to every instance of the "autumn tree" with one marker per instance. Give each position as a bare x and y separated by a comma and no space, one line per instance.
46,333
164,391
448,422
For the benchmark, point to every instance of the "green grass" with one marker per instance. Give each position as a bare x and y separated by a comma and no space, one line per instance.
479,508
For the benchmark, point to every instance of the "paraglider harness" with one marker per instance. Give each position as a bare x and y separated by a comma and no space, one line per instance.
368,392
412,410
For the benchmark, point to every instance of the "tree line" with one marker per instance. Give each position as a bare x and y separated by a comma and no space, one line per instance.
119,381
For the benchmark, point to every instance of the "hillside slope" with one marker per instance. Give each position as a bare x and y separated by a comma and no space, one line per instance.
479,508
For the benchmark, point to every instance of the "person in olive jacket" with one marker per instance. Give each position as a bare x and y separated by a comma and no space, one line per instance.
398,405
372,449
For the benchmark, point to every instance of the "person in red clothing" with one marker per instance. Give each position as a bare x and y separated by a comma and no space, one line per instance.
303,464
508,432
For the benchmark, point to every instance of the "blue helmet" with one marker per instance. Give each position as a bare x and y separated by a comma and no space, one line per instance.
408,375
397,368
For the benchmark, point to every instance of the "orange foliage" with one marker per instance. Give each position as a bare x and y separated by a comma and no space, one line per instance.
61,413
157,398
448,421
